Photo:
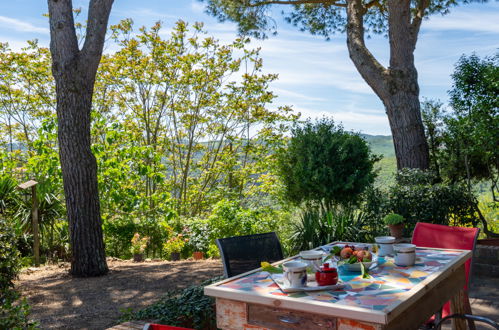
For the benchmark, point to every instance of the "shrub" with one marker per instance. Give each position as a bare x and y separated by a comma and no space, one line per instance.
417,197
325,164
13,313
118,230
230,218
198,232
174,244
393,219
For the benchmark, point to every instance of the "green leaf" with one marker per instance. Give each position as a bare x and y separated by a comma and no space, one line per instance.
364,272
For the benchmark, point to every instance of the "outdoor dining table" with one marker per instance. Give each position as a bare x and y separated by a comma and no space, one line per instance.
393,298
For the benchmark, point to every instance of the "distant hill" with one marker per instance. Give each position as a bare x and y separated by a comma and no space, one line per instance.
383,145
380,144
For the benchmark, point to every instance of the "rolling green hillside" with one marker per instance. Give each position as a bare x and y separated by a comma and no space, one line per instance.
387,166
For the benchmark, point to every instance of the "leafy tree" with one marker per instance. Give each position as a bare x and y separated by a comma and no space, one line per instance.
433,116
464,148
396,85
473,127
74,71
325,165
194,113
26,94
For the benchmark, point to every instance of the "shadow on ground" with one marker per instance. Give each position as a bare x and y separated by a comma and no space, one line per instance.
59,301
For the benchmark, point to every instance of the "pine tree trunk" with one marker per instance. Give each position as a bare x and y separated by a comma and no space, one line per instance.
396,86
74,72
404,114
79,169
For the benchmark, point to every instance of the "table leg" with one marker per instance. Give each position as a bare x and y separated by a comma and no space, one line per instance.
467,310
457,306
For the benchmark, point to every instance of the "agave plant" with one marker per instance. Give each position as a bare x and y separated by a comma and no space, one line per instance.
7,194
321,225
50,212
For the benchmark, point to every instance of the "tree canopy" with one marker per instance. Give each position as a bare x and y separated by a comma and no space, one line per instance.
319,17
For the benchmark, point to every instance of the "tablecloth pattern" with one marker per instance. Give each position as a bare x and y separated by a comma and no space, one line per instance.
387,284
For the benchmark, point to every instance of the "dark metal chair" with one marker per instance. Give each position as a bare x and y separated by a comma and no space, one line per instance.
468,317
244,253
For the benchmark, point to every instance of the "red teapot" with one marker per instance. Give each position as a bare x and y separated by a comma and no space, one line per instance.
326,275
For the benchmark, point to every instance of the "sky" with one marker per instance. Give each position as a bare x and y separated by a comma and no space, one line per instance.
316,77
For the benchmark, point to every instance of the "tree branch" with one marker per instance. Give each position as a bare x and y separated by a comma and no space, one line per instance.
418,19
98,16
373,3
63,41
373,72
298,2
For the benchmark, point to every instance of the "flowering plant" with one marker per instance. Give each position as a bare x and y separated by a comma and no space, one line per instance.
199,234
175,244
139,244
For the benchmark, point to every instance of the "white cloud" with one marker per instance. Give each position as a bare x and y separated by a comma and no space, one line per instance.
197,7
356,121
18,25
471,20
281,92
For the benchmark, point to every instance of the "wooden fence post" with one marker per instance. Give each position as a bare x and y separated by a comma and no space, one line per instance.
34,218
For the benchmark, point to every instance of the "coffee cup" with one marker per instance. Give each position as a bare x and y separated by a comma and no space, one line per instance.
295,274
385,244
405,254
312,258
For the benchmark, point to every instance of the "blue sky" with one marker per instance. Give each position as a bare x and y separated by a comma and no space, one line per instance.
316,76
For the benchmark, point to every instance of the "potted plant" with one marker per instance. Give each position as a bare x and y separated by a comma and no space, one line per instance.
138,247
174,246
395,222
199,238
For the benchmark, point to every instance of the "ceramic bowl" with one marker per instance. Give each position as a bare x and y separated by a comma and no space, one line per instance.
356,266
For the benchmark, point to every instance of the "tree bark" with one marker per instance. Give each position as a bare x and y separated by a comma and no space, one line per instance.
396,86
74,72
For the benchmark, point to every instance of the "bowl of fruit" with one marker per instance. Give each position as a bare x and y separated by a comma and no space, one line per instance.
351,258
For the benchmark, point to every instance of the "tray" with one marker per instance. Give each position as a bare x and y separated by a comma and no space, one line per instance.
311,285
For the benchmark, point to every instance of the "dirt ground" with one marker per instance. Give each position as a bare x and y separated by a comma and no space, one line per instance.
59,301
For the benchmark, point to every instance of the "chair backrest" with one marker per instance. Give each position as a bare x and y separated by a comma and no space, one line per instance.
244,253
446,237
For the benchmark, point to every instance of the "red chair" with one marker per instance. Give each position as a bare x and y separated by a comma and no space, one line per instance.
447,237
152,326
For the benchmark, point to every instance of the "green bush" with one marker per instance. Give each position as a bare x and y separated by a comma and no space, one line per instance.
230,218
323,164
418,197
198,232
120,229
14,313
